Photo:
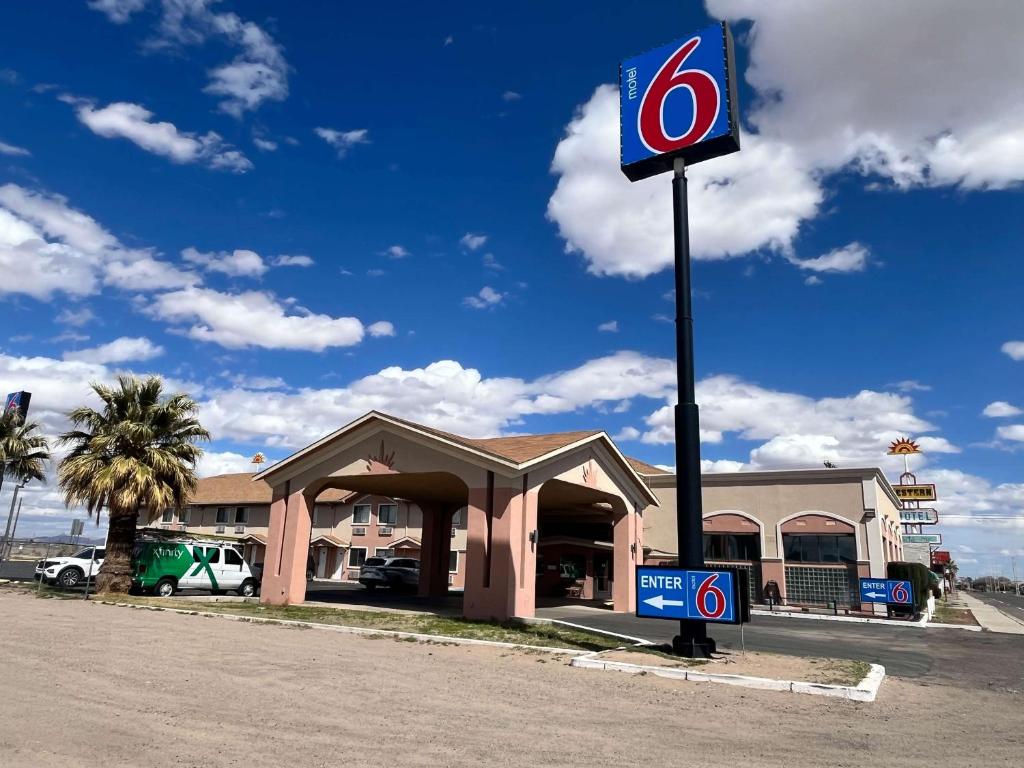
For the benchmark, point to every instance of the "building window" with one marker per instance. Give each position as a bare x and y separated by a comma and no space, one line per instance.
459,518
241,515
384,552
356,557
231,557
186,516
453,562
387,514
819,548
168,516
222,515
361,514
732,546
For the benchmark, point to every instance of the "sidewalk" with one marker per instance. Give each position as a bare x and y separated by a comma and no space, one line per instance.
992,619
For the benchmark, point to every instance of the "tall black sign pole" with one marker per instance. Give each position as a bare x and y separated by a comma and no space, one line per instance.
692,640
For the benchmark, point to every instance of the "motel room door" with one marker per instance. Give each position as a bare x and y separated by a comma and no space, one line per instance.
602,575
321,562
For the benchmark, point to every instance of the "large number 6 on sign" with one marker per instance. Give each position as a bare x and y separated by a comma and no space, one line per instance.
708,590
900,594
706,102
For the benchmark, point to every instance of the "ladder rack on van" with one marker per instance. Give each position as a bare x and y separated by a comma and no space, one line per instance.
158,534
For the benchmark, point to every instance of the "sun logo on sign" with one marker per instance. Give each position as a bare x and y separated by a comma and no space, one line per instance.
903,447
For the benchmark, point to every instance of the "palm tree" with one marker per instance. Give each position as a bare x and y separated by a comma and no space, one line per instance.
23,451
23,456
138,451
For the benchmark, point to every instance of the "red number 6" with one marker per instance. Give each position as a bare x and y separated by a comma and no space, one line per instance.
899,594
706,102
708,588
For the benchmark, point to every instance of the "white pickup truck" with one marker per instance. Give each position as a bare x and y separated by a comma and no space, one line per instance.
71,571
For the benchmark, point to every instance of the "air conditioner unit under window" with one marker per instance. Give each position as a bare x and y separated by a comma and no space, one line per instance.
360,531
385,531
453,532
451,578
239,529
219,529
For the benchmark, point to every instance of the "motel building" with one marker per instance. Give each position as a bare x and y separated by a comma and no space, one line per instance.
511,522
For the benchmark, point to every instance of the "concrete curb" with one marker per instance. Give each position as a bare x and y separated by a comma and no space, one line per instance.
345,630
865,690
849,619
939,625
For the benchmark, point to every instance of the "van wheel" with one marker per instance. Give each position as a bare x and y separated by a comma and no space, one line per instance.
69,578
165,588
248,588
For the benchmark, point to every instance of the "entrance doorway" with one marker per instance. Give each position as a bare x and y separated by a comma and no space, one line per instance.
602,575
321,562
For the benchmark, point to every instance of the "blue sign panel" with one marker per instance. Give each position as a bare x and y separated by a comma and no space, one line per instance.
678,100
17,402
676,593
886,591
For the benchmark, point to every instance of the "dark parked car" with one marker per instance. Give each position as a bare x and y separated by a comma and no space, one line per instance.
394,572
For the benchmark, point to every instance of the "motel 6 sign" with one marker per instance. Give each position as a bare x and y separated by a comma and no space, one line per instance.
677,593
678,100
896,591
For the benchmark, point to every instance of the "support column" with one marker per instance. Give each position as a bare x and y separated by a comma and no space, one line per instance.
625,562
500,559
435,549
284,572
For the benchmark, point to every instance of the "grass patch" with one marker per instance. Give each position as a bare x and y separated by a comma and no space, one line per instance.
665,652
945,614
841,672
551,635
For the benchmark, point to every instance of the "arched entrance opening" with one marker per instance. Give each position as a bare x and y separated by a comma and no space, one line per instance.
735,539
587,545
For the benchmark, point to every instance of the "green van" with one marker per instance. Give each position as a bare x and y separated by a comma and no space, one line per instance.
162,567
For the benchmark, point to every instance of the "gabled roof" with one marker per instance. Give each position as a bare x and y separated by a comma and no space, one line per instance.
332,541
517,453
239,488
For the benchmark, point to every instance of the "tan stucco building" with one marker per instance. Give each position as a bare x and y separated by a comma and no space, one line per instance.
509,519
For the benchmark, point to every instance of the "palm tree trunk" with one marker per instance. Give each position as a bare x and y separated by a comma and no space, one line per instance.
115,575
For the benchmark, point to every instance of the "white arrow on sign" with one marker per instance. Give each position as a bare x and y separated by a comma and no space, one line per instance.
874,594
659,602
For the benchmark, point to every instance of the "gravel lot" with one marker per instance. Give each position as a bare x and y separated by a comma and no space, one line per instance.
85,684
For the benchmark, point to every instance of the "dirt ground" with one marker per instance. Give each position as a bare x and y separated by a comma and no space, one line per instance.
85,685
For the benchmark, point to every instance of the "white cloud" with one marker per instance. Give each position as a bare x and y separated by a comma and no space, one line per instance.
148,274
490,262
134,122
487,297
117,351
910,385
626,434
298,260
1001,409
612,326
75,317
471,242
258,73
1014,350
849,258
381,328
118,11
813,280
237,263
893,104
48,247
396,252
252,319
1011,432
511,96
342,141
223,463
264,145
750,200
12,150
720,465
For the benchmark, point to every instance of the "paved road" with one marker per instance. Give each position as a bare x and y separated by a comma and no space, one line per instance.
18,569
1007,602
981,660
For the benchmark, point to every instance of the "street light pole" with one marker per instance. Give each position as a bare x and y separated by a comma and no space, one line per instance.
692,640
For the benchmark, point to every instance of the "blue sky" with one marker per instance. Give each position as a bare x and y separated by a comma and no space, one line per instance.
298,217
